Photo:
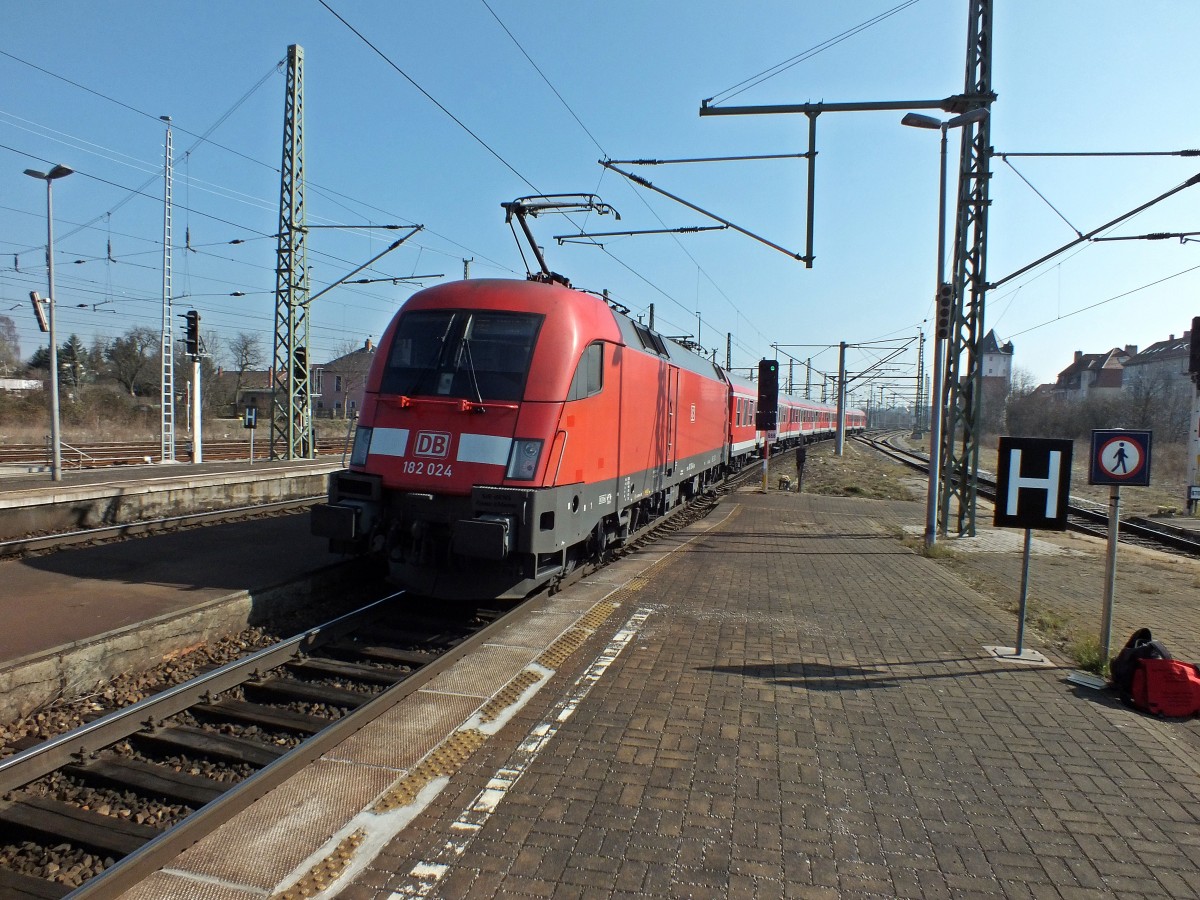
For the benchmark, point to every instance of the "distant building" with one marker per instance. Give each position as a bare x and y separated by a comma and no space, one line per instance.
21,385
338,385
236,391
996,365
1093,374
996,358
1165,362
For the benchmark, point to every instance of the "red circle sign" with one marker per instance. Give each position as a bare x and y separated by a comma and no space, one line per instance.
1120,457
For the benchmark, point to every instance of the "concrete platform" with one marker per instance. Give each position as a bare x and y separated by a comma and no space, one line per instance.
31,503
789,703
74,619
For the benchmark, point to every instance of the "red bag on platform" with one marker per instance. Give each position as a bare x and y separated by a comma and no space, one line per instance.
1166,687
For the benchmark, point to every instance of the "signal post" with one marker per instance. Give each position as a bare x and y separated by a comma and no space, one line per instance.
191,344
766,417
1193,488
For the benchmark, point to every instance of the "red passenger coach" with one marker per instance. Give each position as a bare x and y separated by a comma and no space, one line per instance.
511,429
745,441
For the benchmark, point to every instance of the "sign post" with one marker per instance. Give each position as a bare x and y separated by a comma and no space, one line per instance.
1033,487
250,420
1118,457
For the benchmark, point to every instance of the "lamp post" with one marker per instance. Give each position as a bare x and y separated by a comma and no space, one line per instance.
55,437
937,413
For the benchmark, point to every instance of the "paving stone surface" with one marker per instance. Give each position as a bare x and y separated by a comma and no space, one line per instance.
806,710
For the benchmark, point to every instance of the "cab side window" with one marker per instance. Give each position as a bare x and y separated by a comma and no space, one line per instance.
589,375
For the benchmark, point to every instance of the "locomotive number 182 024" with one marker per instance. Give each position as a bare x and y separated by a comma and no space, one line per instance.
434,469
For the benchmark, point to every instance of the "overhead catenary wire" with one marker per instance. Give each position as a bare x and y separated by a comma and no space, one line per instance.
205,138
1119,296
1043,196
140,112
600,147
755,80
260,234
537,69
428,96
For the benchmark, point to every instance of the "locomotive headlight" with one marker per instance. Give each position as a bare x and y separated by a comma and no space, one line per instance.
362,444
523,460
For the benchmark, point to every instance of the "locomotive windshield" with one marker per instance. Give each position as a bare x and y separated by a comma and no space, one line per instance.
469,354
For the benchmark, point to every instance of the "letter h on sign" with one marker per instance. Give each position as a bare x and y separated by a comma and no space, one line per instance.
1033,483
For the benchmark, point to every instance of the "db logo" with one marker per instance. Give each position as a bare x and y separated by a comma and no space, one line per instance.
432,443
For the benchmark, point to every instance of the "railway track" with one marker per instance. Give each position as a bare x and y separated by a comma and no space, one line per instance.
1082,516
43,543
121,453
96,809
91,812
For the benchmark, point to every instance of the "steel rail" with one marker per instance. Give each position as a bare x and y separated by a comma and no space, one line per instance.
109,454
66,538
139,865
81,742
1132,530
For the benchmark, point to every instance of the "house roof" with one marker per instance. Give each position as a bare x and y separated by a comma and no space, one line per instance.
991,344
251,379
1097,370
1172,348
356,361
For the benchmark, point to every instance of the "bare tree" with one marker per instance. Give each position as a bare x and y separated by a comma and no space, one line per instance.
1157,399
1023,382
246,351
133,359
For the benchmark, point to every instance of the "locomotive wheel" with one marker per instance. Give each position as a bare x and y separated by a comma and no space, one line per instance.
598,542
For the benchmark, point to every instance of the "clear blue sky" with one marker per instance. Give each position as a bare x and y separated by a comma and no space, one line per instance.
617,79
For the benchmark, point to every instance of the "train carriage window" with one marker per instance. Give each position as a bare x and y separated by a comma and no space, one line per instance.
467,354
589,374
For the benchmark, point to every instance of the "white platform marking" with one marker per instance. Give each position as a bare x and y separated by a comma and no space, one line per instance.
424,878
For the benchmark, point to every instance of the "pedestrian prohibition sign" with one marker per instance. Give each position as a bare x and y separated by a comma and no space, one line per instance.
1120,457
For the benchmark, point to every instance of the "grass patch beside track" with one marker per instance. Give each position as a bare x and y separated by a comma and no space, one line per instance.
858,472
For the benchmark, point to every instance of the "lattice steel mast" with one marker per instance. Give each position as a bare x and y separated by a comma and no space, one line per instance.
291,406
167,381
964,376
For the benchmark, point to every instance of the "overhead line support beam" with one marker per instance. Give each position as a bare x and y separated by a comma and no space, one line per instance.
637,179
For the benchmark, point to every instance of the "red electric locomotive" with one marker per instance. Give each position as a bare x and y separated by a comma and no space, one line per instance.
510,429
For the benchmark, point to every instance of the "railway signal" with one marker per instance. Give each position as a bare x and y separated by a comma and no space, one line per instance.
945,306
191,346
191,341
40,311
768,394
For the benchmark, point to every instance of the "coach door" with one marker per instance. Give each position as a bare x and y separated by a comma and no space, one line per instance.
672,419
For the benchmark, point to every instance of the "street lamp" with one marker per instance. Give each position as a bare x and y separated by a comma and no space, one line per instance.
916,120
55,437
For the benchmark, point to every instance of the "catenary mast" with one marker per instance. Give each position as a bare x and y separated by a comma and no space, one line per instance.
964,374
167,381
291,412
